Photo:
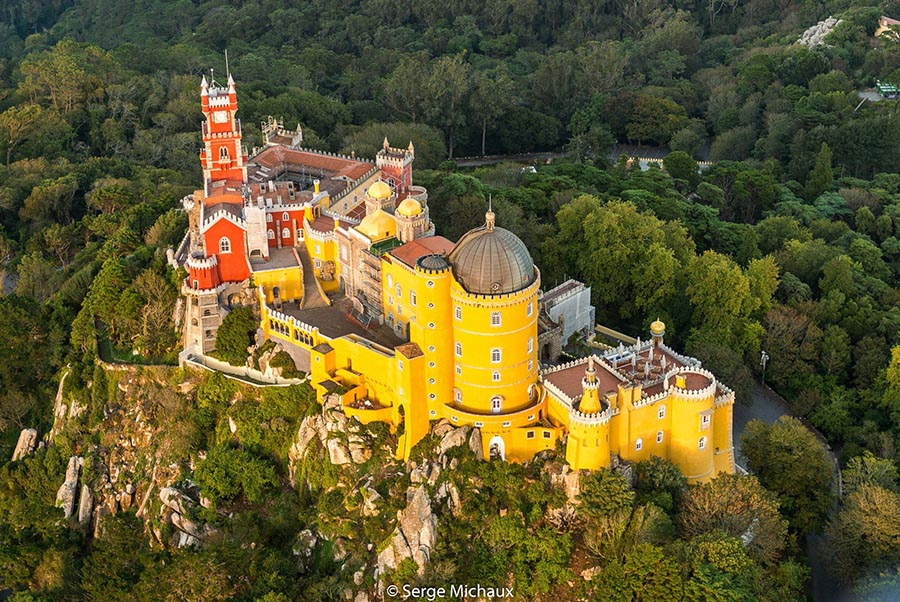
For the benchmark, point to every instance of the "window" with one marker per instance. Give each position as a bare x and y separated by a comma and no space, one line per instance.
318,250
496,355
459,350
457,395
530,365
495,318
702,444
431,325
659,437
529,435
196,285
431,364
223,153
507,424
530,344
704,421
638,444
458,313
399,291
431,381
412,298
530,308
458,370
224,245
496,404
390,300
496,376
270,234
546,434
431,396
390,281
285,217
430,283
400,365
318,264
431,306
286,233
399,310
661,412
344,254
269,217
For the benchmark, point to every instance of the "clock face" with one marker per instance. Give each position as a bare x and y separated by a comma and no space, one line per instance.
220,116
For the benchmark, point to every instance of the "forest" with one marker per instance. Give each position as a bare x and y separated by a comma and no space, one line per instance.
788,242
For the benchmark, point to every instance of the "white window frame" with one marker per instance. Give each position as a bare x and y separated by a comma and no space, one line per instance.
224,245
496,404
530,344
458,349
661,412
496,355
286,233
285,217
705,421
659,437
496,318
495,377
638,444
412,298
530,310
702,443
458,312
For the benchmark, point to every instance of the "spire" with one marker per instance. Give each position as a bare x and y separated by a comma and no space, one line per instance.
489,216
230,84
204,87
385,144
410,148
590,393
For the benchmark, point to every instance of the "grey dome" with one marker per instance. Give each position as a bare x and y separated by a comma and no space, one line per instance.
433,262
492,261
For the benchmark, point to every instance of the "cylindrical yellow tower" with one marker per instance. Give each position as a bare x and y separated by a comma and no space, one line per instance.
692,445
494,297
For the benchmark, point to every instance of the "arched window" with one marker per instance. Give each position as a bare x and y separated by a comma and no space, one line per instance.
223,153
638,445
285,217
459,349
224,245
457,395
496,354
269,217
495,318
286,233
496,376
496,404
659,437
271,234
702,444
661,412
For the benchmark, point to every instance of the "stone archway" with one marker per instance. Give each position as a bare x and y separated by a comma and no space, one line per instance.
497,448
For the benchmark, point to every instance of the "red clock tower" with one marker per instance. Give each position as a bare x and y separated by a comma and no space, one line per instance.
223,157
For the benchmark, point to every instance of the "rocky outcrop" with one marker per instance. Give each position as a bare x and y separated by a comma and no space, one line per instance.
178,506
475,444
815,35
341,437
68,491
26,444
415,534
85,505
562,476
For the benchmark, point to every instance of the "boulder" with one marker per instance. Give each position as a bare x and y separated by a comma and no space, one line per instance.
454,438
475,444
568,480
26,444
337,452
415,534
85,505
186,525
68,491
441,428
175,499
370,501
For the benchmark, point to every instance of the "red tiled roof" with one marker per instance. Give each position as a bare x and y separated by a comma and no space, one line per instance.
410,252
568,380
323,223
409,350
275,156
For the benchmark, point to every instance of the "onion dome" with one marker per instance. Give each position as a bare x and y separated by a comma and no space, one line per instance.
378,225
658,328
492,261
380,191
409,208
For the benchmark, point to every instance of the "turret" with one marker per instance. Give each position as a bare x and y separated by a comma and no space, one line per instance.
590,394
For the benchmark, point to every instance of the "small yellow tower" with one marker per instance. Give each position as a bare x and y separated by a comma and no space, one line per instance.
590,397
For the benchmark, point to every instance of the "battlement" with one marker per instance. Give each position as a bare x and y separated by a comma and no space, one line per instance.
202,263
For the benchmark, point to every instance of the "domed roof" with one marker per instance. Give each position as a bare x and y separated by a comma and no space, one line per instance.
658,327
492,261
378,225
433,262
379,190
409,208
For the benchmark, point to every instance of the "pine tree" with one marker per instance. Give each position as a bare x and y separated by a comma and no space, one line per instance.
821,176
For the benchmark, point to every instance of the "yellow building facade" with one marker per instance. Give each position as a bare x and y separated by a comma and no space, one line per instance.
467,316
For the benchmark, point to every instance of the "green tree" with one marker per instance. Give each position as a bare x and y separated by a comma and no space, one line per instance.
427,141
660,482
681,166
868,469
235,335
863,535
604,492
229,472
820,178
646,573
492,93
447,88
737,506
790,461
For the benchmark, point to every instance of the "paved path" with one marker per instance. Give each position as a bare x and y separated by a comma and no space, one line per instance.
311,296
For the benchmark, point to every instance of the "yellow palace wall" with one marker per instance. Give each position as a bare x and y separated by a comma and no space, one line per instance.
288,280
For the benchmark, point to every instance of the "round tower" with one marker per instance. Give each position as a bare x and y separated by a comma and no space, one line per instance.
412,220
494,297
691,443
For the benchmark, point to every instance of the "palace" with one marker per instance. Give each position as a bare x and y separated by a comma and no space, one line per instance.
406,327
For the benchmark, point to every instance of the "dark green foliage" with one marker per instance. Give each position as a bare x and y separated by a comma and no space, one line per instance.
229,472
236,334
